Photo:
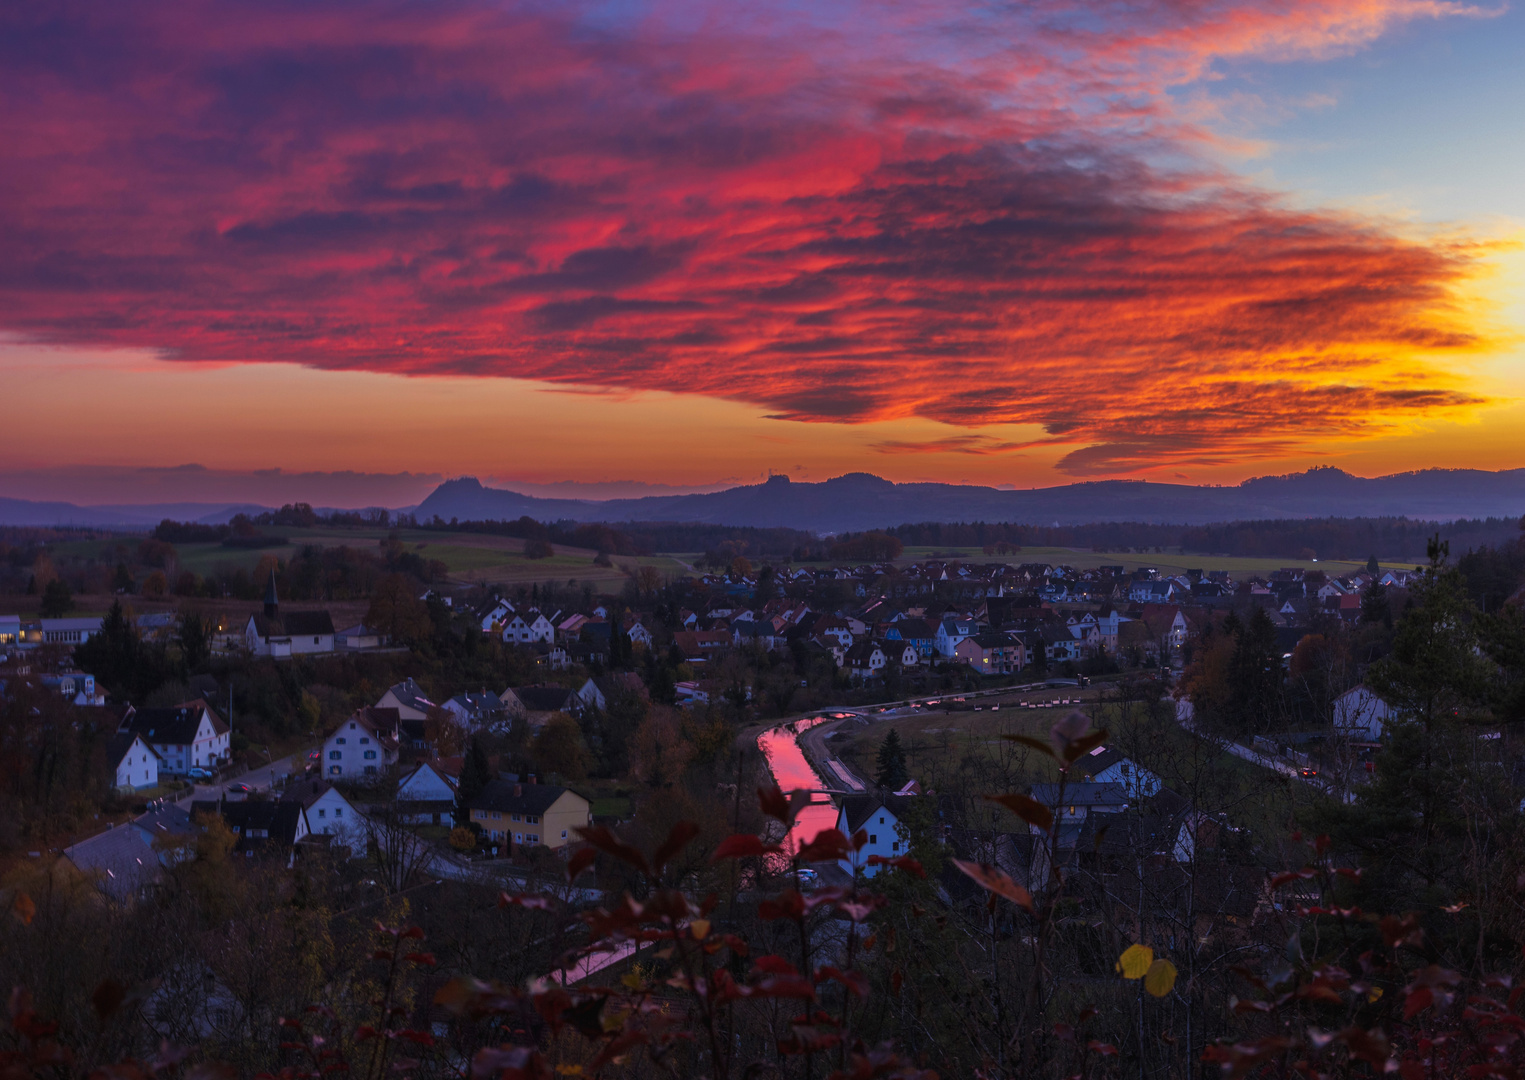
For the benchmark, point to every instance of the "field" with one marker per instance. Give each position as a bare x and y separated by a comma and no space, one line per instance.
1166,563
469,557
939,744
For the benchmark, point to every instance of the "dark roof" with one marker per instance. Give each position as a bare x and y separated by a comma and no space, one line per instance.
125,857
278,819
860,808
1084,794
177,726
506,796
546,698
118,745
294,624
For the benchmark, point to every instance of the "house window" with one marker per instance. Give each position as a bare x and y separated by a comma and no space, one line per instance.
563,834
516,817
340,740
335,755
518,838
895,846
322,813
338,811
873,838
496,816
531,819
370,770
370,755
314,641
365,742
334,770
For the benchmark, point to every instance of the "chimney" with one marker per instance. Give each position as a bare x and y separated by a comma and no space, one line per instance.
518,790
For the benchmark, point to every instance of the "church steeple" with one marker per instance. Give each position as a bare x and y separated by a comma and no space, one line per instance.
272,602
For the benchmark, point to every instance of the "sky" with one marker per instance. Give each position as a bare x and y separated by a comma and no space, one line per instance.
653,246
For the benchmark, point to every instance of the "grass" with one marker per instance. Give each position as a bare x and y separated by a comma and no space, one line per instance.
611,807
1166,563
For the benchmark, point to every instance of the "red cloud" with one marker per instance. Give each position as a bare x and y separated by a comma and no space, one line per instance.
920,220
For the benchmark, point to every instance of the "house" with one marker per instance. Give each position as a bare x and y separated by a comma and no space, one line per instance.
78,687
1081,800
473,711
865,660
262,827
1105,765
426,796
950,631
358,636
902,653
1361,715
1168,624
699,645
914,632
637,633
297,633
527,627
836,628
495,616
535,705
552,656
991,653
188,736
70,631
530,814
329,813
596,693
364,746
128,861
134,763
408,698
10,630
879,818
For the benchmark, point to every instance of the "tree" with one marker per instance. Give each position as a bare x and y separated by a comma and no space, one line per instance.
57,600
558,748
538,549
396,612
1373,567
195,637
659,753
1254,676
442,732
892,774
1375,607
476,774
112,654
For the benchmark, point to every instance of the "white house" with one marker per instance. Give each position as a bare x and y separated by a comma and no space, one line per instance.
880,819
188,736
494,618
362,747
528,627
950,632
329,813
1105,765
1361,715
77,686
408,698
10,629
865,660
132,761
426,796
358,636
70,631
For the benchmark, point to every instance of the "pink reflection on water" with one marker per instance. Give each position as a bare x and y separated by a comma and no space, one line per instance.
791,771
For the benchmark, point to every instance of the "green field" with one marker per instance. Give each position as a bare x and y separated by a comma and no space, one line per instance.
1166,563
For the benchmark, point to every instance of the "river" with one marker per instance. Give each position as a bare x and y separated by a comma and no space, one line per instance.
791,771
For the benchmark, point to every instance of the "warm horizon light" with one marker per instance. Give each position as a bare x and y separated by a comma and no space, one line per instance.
682,244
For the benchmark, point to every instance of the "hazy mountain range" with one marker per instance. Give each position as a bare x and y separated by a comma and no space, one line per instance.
863,501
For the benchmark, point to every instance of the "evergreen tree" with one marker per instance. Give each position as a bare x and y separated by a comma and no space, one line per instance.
892,774
112,654
476,774
1373,567
1255,677
195,637
57,600
1374,604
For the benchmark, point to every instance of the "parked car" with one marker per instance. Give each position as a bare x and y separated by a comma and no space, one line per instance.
241,789
199,774
808,876
1308,771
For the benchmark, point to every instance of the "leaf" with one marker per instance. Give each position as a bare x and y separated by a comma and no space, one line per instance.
996,881
1029,741
24,908
1160,978
740,846
1028,809
677,840
773,803
1065,731
1079,748
1135,961
829,845
604,840
700,928
581,859
1419,999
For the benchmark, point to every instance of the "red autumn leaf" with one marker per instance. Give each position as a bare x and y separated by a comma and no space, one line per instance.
996,881
742,845
1419,999
677,840
829,845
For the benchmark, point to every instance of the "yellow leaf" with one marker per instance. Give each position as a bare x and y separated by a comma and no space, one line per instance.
701,928
1135,961
1160,977
1374,994
24,908
569,1070
631,980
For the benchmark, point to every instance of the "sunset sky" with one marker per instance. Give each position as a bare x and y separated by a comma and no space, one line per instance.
691,243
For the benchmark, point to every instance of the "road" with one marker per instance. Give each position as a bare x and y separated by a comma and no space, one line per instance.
259,779
1265,761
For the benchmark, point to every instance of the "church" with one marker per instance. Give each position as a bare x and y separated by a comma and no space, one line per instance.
296,633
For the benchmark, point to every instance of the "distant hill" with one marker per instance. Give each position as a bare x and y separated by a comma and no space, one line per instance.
862,501
859,501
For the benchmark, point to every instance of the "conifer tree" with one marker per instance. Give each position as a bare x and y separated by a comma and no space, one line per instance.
476,773
892,774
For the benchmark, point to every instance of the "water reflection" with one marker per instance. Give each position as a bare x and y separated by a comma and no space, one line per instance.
791,771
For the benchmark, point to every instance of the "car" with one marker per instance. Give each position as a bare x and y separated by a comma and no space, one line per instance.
1307,771
199,774
314,755
808,876
241,789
